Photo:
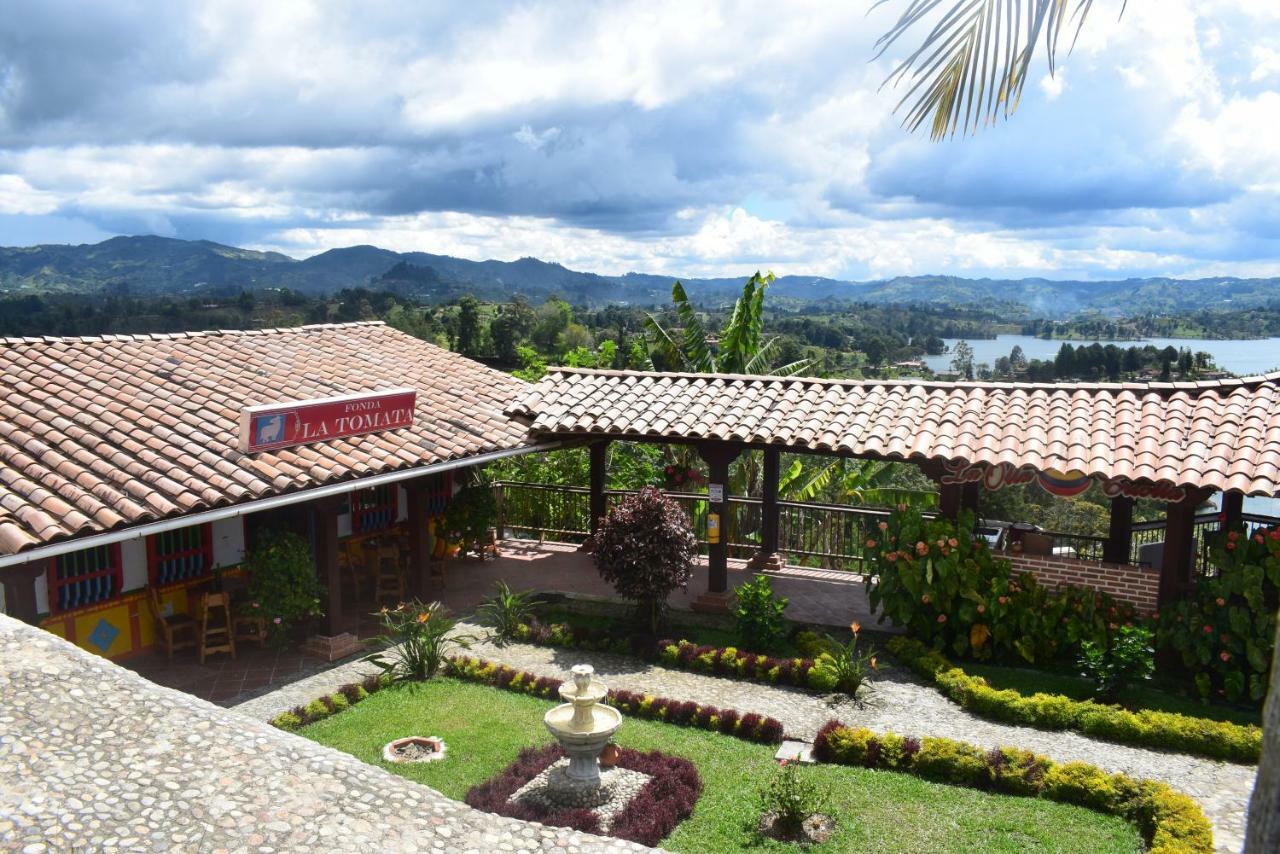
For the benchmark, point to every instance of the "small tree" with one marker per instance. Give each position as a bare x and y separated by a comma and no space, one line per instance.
283,587
645,549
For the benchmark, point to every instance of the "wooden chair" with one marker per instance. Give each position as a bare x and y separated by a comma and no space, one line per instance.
246,627
487,546
173,628
217,635
391,575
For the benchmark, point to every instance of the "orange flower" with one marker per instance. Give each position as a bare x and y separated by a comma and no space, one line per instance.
424,616
873,663
855,627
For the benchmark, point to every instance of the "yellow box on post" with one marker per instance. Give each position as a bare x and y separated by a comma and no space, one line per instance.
713,528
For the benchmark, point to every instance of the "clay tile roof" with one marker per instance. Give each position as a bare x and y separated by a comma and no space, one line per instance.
1223,435
105,432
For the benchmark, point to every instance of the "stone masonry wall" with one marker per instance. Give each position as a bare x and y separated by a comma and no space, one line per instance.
1135,584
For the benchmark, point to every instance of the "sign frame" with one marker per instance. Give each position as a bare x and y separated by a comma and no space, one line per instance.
291,430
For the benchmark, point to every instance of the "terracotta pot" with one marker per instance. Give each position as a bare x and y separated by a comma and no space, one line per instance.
609,756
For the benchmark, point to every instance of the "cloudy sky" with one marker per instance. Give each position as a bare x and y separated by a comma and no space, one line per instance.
680,137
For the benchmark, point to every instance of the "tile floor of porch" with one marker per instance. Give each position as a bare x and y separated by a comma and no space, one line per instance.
821,597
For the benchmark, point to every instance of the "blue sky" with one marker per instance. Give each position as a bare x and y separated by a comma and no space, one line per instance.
666,137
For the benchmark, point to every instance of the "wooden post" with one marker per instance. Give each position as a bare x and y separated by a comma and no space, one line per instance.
20,589
768,555
324,520
970,495
1177,563
1119,545
718,456
1232,510
599,477
419,536
950,500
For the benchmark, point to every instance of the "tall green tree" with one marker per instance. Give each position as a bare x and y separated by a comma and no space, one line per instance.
740,348
470,340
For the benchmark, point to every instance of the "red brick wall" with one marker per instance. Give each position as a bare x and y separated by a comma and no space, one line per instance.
1134,584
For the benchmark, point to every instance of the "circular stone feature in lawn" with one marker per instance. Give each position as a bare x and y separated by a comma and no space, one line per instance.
641,799
415,748
815,829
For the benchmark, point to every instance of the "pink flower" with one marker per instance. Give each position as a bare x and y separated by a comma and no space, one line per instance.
902,508
1208,630
922,549
942,618
1233,536
255,604
782,764
1003,600
1220,601
925,599
953,542
1275,534
1231,547
276,621
982,609
871,544
1225,656
884,526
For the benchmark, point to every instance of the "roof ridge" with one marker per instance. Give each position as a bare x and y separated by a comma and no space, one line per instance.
1156,385
14,341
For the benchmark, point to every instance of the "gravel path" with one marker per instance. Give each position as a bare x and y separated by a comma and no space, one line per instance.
899,703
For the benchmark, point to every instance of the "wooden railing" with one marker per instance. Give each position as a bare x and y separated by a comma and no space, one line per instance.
809,534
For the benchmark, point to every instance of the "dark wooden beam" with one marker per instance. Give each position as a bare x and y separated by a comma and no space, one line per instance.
970,495
1232,510
324,527
718,456
1119,544
1177,562
20,589
419,536
599,478
769,503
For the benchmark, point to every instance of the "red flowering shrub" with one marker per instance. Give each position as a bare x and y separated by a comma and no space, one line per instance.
941,583
645,548
665,801
1225,629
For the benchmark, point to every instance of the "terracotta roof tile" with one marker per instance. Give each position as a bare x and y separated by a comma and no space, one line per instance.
110,431
1223,434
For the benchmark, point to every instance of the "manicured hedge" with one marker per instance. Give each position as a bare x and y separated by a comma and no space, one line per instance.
1145,728
748,726
1168,820
665,801
330,704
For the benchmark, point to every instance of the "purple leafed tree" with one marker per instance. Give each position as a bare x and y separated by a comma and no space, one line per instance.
645,548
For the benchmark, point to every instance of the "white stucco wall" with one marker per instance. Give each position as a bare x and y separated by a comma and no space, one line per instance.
228,541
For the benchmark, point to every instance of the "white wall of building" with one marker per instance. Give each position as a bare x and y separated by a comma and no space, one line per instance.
228,541
133,564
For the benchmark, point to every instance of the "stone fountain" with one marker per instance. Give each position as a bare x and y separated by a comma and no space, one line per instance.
583,726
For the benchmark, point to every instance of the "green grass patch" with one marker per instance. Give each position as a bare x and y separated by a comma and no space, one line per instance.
877,810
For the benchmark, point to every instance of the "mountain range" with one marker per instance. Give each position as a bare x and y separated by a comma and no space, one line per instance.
150,264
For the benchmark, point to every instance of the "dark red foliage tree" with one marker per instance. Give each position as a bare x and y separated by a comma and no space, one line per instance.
645,549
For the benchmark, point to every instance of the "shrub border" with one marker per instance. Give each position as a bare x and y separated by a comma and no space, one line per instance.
330,704
748,726
1168,820
1145,728
667,799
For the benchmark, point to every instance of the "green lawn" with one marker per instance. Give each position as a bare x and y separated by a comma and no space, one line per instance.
1028,681
876,810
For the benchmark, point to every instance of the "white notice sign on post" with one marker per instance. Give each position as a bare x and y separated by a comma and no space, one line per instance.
715,492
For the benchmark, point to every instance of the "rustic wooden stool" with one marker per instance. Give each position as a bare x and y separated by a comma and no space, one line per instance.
220,636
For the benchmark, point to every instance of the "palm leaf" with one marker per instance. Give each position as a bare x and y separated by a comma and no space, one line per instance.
696,355
972,66
791,369
665,344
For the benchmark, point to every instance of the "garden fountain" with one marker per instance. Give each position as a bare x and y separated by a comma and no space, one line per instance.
583,726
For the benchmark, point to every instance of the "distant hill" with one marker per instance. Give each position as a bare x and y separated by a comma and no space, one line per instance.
149,264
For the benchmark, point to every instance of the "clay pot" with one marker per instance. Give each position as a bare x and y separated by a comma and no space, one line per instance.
609,756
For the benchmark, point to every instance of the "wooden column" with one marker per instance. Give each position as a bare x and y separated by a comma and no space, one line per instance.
718,456
1177,563
599,479
1232,510
970,495
950,500
769,507
20,589
324,527
419,537
1119,545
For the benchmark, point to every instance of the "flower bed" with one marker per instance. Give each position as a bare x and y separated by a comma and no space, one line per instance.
665,801
1168,820
1183,733
749,726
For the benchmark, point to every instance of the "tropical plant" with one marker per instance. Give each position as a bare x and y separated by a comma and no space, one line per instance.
506,610
470,513
791,798
742,348
1225,628
645,549
1114,666
972,66
416,640
848,666
758,614
283,587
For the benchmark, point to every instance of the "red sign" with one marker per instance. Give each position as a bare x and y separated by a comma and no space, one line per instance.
1066,484
281,425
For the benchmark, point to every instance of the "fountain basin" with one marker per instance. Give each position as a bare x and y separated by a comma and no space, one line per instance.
583,744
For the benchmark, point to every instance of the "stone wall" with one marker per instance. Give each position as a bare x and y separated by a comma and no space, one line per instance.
1135,584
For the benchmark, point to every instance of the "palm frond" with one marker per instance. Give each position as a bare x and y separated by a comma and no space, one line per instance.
792,368
694,346
664,343
813,487
734,344
972,66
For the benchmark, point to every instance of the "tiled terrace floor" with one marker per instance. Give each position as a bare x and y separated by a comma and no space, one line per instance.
817,596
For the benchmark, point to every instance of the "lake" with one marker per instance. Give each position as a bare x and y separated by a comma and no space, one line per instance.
1243,357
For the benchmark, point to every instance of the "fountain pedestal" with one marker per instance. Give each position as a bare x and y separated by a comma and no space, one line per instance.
583,726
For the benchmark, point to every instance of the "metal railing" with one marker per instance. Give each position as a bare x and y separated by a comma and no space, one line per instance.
1145,533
